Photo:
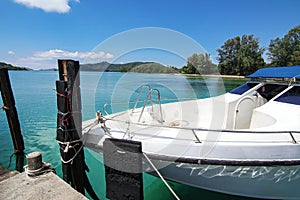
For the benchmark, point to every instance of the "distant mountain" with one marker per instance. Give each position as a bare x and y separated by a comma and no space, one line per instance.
153,68
51,69
11,67
94,67
139,67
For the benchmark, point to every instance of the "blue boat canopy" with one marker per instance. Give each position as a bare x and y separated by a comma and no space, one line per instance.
277,72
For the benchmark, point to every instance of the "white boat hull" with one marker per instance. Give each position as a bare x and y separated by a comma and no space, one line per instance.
280,182
261,159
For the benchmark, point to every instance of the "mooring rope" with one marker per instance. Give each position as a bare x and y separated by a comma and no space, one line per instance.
93,123
64,120
10,157
69,146
160,176
45,168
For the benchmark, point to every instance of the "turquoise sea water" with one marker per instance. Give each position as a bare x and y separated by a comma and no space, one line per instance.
35,98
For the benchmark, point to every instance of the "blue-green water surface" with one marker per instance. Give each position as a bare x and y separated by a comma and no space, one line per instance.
35,98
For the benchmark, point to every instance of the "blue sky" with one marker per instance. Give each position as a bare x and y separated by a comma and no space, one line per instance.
35,33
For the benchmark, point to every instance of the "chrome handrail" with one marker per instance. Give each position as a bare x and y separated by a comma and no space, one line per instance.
129,102
149,95
237,106
159,103
139,95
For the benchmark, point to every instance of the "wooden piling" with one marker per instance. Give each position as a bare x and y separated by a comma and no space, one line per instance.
69,127
12,118
123,169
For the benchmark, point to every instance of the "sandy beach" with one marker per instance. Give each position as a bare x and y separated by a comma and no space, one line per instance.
213,75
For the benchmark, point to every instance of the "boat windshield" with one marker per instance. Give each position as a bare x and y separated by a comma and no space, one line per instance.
268,91
292,96
244,88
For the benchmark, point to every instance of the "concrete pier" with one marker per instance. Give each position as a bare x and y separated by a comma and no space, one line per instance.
5,173
44,187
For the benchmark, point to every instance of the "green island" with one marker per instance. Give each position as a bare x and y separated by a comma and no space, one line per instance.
135,67
11,67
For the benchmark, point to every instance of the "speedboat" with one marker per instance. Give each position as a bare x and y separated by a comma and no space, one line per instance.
244,142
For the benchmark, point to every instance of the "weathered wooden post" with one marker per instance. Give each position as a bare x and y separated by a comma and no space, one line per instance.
69,127
12,118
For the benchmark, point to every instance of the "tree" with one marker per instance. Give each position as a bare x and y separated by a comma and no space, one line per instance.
188,70
285,51
240,56
201,63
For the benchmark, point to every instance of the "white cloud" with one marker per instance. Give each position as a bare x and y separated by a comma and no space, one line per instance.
60,6
48,59
11,52
58,53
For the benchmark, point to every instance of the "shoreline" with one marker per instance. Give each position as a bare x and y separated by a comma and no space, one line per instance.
213,75
176,74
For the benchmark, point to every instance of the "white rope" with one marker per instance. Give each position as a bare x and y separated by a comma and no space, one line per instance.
93,123
68,144
67,149
161,177
43,169
33,171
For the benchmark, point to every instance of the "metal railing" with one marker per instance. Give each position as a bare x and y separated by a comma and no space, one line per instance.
139,95
149,97
194,129
236,109
151,102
